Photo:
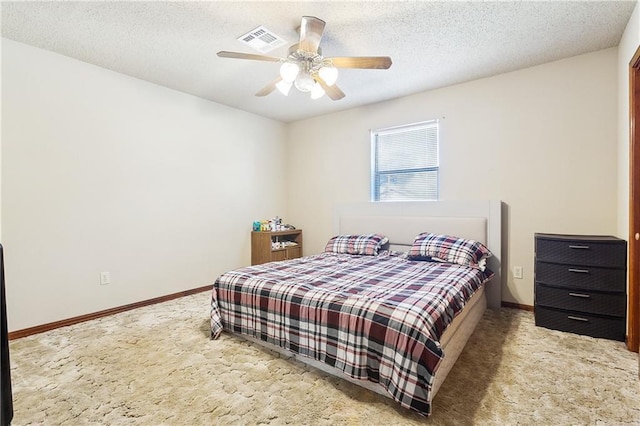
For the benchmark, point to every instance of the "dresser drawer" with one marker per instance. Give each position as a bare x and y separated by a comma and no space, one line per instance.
594,303
582,252
581,323
581,277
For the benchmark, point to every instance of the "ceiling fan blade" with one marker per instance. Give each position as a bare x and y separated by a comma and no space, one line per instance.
333,92
311,30
269,87
238,55
367,62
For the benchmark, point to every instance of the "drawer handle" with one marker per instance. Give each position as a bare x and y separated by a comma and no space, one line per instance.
579,247
579,271
582,295
571,317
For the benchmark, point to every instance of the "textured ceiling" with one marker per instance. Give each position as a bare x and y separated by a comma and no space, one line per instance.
433,44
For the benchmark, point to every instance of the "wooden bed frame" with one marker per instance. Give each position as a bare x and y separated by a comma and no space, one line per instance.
401,222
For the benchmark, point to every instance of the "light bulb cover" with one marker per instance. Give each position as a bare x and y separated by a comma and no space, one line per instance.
304,82
289,71
329,75
317,92
284,87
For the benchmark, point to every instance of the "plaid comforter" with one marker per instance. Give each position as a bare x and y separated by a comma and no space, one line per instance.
376,318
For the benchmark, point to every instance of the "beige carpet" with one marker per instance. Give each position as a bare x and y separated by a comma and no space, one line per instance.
157,366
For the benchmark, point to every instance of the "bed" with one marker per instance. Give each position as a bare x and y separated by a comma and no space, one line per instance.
366,317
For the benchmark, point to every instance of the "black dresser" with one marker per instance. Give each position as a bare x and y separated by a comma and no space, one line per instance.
580,284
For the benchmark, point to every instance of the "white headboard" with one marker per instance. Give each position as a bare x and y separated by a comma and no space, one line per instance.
402,221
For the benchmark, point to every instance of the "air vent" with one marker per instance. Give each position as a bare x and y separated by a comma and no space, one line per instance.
262,40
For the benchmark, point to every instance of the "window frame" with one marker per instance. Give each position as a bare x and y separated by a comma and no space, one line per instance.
374,173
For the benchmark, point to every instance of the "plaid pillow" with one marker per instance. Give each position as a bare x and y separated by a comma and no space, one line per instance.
447,248
367,244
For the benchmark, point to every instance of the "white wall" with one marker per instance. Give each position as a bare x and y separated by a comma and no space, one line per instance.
103,172
542,139
626,49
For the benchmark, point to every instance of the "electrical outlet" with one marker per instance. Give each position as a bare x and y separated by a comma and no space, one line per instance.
104,278
517,272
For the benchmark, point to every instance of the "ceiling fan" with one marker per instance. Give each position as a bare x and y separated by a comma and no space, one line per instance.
306,68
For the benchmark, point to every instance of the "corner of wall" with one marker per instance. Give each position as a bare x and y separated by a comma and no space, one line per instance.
629,43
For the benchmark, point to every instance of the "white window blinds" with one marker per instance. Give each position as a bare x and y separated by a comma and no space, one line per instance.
404,163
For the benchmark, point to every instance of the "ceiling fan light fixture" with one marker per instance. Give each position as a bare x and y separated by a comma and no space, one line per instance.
304,82
317,92
289,71
329,75
304,66
284,87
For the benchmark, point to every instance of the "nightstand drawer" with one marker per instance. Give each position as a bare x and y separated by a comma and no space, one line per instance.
576,300
294,252
581,277
581,323
577,252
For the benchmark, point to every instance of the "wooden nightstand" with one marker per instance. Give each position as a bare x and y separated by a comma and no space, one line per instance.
580,284
262,250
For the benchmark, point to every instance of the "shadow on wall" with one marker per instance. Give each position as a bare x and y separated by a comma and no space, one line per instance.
506,271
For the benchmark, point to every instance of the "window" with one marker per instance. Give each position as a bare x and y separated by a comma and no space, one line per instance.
404,163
